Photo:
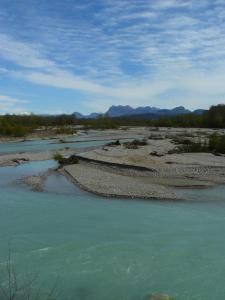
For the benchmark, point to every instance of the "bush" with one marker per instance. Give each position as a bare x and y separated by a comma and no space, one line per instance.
193,147
63,161
58,157
189,147
13,130
182,141
135,144
217,143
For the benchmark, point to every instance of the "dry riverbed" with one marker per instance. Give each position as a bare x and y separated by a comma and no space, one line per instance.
147,171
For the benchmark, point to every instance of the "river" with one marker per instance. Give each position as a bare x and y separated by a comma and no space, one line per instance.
96,248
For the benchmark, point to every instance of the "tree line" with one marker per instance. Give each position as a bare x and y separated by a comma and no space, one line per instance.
212,118
21,125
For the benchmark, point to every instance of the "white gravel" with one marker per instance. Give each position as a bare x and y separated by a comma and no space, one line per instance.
99,181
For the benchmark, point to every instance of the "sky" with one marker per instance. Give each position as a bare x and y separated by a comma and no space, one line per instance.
61,56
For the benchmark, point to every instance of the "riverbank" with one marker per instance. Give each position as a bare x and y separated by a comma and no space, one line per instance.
152,170
100,181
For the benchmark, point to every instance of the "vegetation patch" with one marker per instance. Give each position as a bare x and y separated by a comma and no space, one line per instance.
215,144
135,144
64,161
58,157
15,130
21,125
182,141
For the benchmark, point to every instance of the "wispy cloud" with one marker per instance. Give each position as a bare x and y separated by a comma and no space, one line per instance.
139,52
22,54
10,104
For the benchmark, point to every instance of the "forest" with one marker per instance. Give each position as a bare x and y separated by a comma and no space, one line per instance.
21,125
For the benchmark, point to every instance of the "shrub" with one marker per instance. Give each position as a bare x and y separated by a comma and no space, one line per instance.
217,143
58,157
135,144
190,147
13,130
63,161
181,140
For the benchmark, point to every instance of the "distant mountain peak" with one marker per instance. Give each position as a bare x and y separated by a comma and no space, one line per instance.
145,111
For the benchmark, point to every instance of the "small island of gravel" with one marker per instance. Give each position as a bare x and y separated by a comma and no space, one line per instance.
157,165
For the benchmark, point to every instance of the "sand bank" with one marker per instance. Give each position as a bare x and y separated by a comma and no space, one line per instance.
117,171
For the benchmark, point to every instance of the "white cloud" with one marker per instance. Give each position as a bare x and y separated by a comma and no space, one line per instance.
11,100
130,52
10,104
22,54
169,4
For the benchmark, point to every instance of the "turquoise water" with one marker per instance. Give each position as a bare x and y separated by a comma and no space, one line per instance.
113,249
54,144
42,145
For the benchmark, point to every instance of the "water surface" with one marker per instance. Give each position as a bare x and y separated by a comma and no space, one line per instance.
113,249
55,144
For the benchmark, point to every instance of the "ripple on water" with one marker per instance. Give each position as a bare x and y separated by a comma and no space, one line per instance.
114,249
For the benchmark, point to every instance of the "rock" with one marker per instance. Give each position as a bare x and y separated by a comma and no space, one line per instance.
158,297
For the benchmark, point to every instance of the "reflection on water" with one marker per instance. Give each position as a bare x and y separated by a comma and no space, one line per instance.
112,249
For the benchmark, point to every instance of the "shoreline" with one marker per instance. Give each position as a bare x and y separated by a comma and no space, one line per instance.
72,179
15,159
152,170
115,183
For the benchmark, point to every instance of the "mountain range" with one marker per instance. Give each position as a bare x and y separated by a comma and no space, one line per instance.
143,112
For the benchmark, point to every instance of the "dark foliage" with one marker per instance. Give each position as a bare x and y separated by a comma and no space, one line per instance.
63,161
13,125
19,126
213,118
135,144
217,143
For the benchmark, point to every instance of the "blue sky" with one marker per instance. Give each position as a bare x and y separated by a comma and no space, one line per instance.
77,55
